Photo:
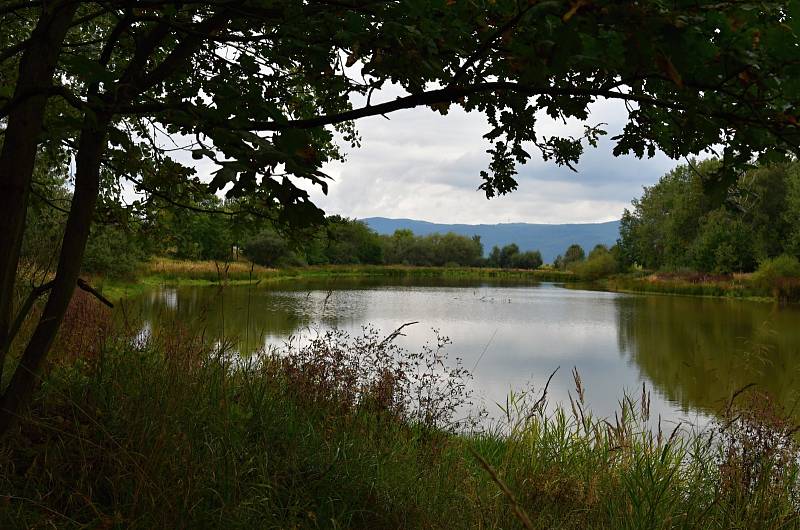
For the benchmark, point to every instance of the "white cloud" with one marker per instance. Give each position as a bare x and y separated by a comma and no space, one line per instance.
422,165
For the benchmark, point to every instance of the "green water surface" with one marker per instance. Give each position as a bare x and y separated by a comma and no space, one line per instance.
692,353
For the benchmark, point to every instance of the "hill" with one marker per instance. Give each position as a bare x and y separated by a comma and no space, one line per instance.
550,240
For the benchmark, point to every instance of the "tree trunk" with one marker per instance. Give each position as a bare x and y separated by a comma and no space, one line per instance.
18,155
87,181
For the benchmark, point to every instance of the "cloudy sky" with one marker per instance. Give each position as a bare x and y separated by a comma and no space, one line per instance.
422,165
419,164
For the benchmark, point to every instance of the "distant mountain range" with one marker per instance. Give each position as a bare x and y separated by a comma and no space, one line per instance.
550,240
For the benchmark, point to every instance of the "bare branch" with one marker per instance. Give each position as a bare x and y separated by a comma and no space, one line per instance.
84,285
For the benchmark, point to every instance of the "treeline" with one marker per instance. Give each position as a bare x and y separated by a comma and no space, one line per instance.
348,241
210,228
689,220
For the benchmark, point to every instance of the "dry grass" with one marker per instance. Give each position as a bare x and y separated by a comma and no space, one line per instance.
167,431
209,270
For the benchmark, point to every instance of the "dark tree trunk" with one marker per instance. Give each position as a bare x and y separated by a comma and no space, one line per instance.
19,147
87,181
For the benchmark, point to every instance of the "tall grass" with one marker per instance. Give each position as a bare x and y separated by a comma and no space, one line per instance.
736,286
166,431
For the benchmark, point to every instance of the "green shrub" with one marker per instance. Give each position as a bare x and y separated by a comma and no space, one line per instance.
267,249
112,251
770,270
599,265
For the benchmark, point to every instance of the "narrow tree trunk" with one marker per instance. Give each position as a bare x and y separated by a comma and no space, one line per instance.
87,181
18,155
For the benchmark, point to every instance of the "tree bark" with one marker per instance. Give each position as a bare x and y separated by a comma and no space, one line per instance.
87,182
18,154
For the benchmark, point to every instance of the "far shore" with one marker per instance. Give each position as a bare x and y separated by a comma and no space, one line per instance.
171,272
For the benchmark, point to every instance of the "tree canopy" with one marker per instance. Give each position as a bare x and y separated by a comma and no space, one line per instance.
676,224
260,89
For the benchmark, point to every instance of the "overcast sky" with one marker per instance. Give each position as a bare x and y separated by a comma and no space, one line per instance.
419,164
422,165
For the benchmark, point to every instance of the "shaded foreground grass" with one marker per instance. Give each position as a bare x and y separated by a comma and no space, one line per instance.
352,432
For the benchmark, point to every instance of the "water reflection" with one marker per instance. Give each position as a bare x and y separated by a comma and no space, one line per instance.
698,351
692,351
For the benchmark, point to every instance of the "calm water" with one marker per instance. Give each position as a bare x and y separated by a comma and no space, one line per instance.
691,352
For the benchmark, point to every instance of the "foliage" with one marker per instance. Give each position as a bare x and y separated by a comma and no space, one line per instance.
531,259
572,256
771,271
112,251
510,257
403,247
351,241
42,240
269,249
679,223
724,244
601,263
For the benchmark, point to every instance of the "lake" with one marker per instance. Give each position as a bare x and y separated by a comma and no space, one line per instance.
690,352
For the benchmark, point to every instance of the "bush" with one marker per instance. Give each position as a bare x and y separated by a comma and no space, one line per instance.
112,251
771,270
267,249
599,265
781,276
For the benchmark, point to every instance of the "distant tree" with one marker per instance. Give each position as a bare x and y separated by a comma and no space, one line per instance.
531,259
664,222
267,248
507,254
494,257
351,241
398,247
112,251
573,254
433,249
599,264
598,250
675,224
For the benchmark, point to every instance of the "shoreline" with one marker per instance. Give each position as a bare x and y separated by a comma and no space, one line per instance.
167,272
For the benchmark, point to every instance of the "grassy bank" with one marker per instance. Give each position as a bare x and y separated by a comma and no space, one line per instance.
167,433
738,286
163,271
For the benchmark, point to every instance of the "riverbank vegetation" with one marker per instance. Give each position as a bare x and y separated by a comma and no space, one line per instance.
682,224
165,431
703,239
680,237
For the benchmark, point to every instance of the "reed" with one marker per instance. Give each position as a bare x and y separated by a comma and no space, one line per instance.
167,431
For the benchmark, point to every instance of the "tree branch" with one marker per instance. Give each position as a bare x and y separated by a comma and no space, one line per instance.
451,94
35,293
84,285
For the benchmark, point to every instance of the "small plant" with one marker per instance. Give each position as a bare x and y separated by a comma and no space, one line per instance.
781,276
759,457
371,372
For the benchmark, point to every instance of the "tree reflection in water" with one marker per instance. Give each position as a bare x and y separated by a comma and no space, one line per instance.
697,351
